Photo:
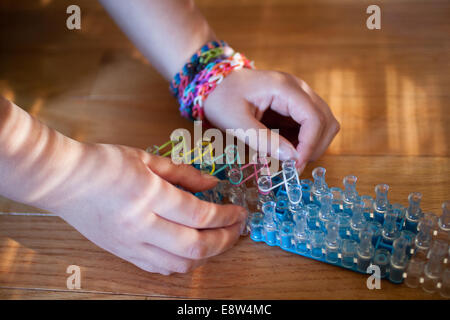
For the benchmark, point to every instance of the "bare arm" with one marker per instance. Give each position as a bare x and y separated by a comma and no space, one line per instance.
32,157
167,32
120,198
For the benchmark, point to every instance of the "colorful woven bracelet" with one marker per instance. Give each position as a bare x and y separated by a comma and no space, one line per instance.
204,71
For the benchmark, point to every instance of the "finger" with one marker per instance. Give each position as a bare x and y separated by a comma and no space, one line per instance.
182,207
179,174
188,242
332,126
309,136
328,134
316,99
163,259
301,108
263,140
182,174
136,152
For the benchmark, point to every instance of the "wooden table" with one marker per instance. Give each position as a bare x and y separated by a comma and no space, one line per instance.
388,88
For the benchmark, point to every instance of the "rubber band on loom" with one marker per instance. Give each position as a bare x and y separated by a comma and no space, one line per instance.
204,154
200,76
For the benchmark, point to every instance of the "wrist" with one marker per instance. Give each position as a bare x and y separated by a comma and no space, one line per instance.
192,44
53,174
199,77
34,159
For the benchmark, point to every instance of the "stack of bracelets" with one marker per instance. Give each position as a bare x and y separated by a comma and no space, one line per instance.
205,70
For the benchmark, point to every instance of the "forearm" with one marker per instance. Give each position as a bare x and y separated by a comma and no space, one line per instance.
167,32
34,159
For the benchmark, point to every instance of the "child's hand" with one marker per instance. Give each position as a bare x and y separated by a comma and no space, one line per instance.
243,96
125,201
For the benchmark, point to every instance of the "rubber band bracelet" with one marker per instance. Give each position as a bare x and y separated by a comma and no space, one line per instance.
200,76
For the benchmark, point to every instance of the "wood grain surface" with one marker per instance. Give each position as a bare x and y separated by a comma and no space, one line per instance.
388,88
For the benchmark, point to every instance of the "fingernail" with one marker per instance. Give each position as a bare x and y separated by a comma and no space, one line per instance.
210,177
244,214
286,152
300,168
243,226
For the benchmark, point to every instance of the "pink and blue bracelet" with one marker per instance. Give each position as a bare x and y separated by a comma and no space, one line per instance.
200,76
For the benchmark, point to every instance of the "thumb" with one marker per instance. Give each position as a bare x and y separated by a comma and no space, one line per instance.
181,174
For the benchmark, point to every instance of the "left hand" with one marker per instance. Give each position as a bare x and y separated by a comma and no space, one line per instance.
243,96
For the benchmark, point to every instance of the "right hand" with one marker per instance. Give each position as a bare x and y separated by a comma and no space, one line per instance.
124,200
